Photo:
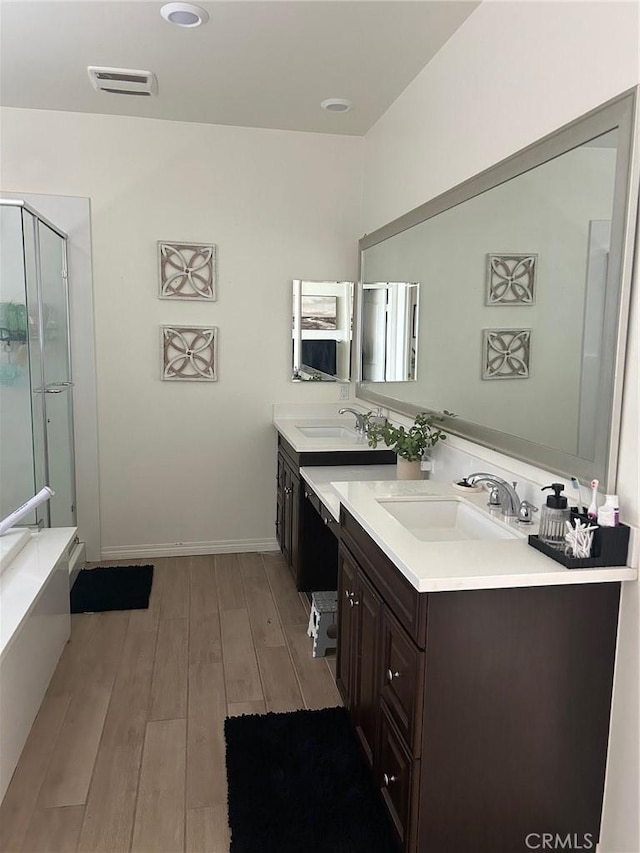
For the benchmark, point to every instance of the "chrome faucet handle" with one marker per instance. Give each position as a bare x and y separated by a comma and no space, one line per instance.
525,512
495,500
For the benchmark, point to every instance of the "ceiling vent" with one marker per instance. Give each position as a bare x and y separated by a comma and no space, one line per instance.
123,81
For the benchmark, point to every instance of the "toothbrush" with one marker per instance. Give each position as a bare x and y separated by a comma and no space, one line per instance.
592,512
581,501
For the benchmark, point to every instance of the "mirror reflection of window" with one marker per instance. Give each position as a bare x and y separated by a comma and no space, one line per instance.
389,331
322,331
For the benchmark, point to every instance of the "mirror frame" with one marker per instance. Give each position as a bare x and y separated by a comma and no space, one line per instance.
620,113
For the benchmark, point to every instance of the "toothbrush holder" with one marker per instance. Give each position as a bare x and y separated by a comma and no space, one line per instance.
610,547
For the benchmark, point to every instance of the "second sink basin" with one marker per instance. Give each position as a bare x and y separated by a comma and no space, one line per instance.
444,519
327,432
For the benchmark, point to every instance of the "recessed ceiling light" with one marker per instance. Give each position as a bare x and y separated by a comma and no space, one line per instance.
336,105
184,14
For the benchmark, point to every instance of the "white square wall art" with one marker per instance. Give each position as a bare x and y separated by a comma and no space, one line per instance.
189,353
506,353
511,279
187,271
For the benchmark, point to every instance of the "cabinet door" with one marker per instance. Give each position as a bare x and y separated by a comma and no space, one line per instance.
280,503
293,521
368,608
394,772
402,679
347,627
288,514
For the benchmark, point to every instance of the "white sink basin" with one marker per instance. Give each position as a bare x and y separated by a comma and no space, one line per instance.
328,432
444,519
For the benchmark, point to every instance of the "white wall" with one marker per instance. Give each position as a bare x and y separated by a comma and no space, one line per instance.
513,73
190,467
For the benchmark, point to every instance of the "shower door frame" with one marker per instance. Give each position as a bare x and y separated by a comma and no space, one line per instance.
43,513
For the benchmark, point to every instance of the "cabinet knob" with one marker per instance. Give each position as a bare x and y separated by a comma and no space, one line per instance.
288,490
353,602
348,594
306,494
387,780
391,674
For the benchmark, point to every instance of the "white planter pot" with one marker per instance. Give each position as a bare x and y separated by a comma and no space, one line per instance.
408,470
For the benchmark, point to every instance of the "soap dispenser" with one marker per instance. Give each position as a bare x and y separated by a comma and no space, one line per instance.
553,516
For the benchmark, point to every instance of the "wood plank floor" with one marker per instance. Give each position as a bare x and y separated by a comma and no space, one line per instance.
127,752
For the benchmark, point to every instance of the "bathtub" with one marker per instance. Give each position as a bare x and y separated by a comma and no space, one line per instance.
34,627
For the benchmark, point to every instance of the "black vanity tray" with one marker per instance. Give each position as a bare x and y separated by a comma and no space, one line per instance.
610,547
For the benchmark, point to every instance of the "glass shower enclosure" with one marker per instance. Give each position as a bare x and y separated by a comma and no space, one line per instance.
36,387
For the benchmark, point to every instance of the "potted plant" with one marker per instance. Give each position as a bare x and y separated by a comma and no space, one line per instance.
410,444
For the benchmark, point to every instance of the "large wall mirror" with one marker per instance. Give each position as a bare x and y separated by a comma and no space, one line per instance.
524,276
322,330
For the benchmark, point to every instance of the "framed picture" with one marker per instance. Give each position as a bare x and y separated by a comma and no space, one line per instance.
187,271
319,312
189,353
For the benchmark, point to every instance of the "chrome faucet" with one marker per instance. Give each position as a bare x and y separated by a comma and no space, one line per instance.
509,499
360,419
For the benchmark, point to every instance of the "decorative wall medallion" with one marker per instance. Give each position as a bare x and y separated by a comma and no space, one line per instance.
187,270
511,279
506,353
190,353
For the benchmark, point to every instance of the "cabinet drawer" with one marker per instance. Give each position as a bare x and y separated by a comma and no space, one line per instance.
402,678
395,772
327,518
408,605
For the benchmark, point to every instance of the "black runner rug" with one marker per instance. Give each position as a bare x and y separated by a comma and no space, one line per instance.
298,782
118,588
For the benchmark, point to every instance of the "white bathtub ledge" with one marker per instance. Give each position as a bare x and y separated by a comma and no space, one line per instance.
11,543
34,627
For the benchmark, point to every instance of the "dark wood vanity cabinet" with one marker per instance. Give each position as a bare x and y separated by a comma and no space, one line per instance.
288,512
306,531
484,714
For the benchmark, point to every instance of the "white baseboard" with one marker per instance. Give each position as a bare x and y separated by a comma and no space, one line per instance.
188,549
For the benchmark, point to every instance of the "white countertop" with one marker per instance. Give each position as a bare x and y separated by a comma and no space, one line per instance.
24,578
289,430
428,565
478,564
321,479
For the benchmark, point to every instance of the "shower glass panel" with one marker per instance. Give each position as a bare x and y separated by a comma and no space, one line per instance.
17,458
36,414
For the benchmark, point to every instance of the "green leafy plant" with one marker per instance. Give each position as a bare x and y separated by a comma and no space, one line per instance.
410,443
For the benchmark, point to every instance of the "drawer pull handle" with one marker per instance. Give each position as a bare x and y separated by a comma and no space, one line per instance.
388,779
353,602
348,594
391,674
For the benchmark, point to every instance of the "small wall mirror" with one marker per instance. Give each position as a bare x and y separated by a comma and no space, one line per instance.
322,330
389,331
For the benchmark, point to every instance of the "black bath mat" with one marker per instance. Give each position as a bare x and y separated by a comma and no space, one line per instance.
118,588
298,782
